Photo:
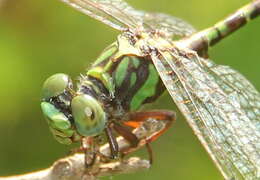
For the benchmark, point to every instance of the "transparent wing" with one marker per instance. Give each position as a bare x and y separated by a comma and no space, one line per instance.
115,13
220,105
169,25
121,16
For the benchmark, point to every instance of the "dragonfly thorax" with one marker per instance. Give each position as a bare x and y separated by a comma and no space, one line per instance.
130,80
117,83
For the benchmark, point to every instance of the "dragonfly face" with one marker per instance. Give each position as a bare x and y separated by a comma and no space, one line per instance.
56,107
69,115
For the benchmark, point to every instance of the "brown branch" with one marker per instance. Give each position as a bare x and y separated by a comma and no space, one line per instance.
73,167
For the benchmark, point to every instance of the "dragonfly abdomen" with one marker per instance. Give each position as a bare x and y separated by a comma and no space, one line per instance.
200,41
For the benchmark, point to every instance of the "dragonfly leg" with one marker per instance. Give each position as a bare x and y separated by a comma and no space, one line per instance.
123,131
112,142
150,152
159,115
126,132
88,147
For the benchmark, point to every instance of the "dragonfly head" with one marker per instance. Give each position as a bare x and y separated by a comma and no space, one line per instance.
70,115
57,95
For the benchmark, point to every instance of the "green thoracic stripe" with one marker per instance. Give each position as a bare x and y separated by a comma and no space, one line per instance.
106,54
121,71
103,76
136,62
136,80
147,90
133,79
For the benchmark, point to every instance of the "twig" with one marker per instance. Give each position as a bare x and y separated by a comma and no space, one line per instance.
73,167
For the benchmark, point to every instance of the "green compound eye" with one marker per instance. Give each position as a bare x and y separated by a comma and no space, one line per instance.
56,119
56,85
57,95
89,116
59,124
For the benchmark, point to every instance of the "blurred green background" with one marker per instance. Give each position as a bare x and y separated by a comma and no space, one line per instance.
40,38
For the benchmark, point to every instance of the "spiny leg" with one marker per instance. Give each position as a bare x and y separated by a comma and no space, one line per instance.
126,133
88,147
150,152
112,142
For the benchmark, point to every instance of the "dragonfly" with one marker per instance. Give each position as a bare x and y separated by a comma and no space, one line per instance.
155,52
83,116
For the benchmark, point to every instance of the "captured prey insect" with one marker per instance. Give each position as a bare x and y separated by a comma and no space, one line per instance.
220,105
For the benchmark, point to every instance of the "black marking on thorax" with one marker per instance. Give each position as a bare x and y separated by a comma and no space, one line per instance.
102,93
126,92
